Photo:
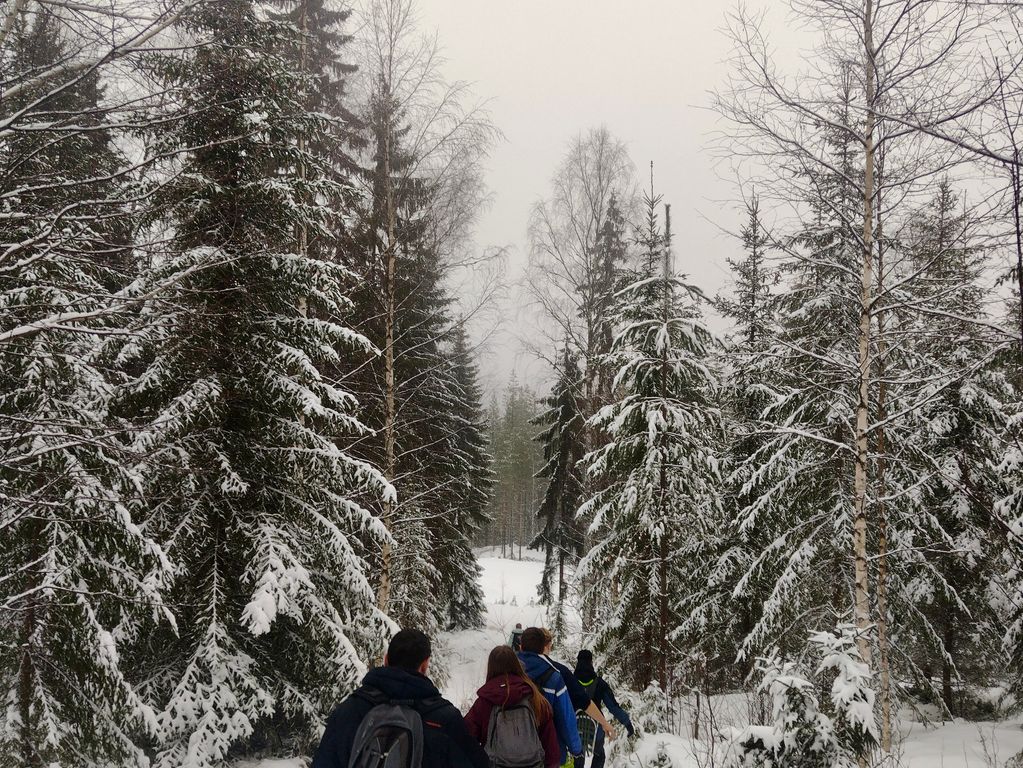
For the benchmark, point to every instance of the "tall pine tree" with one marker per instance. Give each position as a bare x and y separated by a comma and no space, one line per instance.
658,476
241,432
563,439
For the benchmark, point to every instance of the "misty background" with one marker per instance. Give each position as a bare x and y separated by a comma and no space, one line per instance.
549,71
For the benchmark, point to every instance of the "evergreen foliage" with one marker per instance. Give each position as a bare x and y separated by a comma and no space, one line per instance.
470,490
946,452
806,732
657,476
77,571
561,535
517,458
746,395
797,481
247,482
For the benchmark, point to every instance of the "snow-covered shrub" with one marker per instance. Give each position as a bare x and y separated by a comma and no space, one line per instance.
852,698
652,750
802,735
650,711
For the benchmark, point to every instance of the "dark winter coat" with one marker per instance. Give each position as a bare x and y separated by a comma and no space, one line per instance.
502,691
556,693
576,691
446,742
602,694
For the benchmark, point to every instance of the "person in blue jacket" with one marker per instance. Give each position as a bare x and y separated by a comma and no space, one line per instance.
581,700
552,685
603,696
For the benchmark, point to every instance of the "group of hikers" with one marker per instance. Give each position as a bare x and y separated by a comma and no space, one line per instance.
531,712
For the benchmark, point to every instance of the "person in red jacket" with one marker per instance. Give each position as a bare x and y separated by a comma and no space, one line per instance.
506,684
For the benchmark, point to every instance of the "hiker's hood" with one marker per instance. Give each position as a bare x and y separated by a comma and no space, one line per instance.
397,683
504,689
584,667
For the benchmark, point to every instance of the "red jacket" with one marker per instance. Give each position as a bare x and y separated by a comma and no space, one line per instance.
504,690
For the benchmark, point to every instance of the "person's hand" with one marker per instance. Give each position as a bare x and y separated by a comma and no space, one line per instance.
609,731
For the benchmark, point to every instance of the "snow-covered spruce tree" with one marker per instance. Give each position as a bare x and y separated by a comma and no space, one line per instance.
77,573
806,732
411,394
470,488
943,477
657,476
799,491
425,466
563,439
244,471
610,276
745,397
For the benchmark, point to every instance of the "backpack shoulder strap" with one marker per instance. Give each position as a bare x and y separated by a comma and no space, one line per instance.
547,675
373,695
431,704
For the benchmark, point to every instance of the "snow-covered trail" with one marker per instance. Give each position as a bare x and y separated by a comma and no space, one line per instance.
509,589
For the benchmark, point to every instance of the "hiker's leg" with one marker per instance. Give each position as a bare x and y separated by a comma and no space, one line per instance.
598,749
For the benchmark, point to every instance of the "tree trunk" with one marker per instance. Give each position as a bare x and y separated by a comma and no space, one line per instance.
302,235
861,602
881,508
1017,201
25,683
561,575
26,674
948,641
384,594
662,598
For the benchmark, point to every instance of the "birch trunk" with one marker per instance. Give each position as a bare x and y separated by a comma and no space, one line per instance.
861,601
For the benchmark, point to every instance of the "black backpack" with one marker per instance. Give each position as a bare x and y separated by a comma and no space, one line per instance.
391,733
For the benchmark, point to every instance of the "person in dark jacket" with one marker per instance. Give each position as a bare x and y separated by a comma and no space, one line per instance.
581,700
507,684
603,696
446,741
552,686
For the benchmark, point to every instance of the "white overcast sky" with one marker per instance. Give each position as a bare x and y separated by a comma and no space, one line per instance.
553,68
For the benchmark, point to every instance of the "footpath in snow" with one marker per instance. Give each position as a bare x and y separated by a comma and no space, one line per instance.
509,588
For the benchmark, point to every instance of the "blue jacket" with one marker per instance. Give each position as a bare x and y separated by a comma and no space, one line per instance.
446,740
556,693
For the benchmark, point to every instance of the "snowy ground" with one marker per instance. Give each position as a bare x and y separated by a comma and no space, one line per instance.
510,590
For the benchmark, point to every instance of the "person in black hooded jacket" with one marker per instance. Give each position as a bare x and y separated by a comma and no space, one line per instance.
446,740
602,695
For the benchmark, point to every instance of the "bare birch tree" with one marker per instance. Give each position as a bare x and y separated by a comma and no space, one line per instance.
913,85
566,276
427,139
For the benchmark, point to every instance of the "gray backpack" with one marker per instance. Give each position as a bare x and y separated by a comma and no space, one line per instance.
512,737
391,733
